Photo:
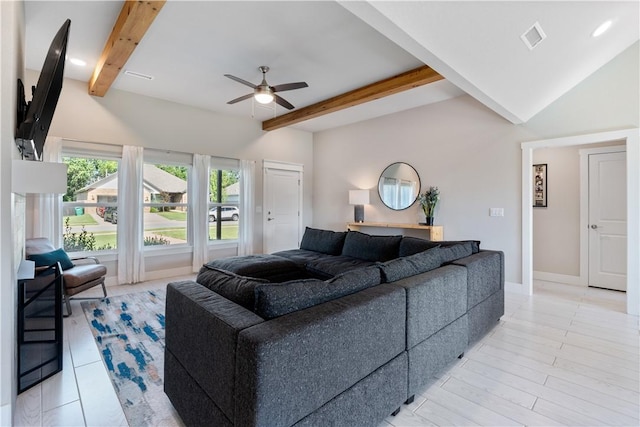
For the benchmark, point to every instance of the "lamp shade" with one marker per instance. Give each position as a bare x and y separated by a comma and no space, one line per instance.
358,197
38,177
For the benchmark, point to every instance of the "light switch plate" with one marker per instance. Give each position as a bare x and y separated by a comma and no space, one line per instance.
496,212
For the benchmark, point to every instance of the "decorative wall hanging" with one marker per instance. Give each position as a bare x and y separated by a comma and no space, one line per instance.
540,186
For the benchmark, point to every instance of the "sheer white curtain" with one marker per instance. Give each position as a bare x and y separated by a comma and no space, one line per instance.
130,219
247,203
47,208
199,217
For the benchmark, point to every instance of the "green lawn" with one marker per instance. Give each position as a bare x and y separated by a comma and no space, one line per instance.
229,232
174,215
85,219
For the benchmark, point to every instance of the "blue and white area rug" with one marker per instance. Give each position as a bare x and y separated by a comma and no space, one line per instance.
129,332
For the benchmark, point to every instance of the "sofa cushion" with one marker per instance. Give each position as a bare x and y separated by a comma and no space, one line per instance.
413,245
324,241
455,252
269,267
330,266
277,299
410,265
371,248
47,258
301,257
357,279
238,289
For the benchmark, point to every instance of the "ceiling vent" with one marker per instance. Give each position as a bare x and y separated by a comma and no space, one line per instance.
138,75
533,36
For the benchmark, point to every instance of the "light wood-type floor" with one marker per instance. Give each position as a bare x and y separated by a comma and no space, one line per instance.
565,356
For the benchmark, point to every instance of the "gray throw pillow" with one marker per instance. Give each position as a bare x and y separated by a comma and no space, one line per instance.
324,241
371,248
454,252
411,265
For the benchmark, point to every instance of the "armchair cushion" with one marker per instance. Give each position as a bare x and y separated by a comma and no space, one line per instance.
47,258
83,274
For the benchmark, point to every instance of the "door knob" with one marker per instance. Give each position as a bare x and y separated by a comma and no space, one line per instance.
594,226
269,219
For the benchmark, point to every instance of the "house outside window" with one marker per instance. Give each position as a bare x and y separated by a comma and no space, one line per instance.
89,205
165,204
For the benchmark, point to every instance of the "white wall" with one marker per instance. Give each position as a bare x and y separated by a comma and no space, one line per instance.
469,152
124,118
556,237
11,66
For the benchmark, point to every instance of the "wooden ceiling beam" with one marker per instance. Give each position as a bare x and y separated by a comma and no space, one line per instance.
133,22
405,81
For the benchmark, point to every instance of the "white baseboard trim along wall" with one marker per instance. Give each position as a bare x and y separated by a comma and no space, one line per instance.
559,278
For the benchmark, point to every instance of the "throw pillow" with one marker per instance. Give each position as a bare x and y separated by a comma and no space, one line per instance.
324,241
413,245
371,248
411,265
48,258
454,252
238,289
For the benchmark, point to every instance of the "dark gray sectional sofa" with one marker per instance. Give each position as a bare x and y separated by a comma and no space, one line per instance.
339,332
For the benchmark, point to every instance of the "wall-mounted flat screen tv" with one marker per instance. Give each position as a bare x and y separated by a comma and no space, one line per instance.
34,118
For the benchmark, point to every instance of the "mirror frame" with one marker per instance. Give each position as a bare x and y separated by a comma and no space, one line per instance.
417,191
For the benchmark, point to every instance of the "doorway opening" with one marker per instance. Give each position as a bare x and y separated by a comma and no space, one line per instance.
631,137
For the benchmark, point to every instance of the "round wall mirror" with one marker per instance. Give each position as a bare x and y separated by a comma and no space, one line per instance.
398,186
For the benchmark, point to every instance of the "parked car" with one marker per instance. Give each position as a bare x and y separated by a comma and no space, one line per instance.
111,215
228,213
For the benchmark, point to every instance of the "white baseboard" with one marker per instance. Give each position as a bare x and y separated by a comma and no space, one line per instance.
154,275
559,278
5,415
171,272
516,288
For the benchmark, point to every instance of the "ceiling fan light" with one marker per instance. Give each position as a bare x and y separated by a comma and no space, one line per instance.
602,28
263,94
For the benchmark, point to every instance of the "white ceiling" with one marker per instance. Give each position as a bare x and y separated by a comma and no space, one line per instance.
337,47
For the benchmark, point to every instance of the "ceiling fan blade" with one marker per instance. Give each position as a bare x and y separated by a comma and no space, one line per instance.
289,86
283,102
239,80
242,98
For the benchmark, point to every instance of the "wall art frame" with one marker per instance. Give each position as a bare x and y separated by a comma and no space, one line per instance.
540,185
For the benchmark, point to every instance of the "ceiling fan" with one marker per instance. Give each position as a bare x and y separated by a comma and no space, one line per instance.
263,93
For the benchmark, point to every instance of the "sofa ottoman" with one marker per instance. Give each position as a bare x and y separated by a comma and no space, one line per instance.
273,268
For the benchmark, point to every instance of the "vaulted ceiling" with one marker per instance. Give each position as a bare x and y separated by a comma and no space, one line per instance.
337,47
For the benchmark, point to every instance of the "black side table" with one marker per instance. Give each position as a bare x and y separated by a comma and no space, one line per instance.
39,324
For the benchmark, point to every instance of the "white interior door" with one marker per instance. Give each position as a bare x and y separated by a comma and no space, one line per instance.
608,221
282,216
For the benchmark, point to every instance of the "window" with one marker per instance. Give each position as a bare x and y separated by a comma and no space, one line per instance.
224,197
89,205
92,215
165,204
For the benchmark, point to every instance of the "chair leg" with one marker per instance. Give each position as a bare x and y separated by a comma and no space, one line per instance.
67,303
104,290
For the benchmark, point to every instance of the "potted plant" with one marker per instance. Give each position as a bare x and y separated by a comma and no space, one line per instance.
428,200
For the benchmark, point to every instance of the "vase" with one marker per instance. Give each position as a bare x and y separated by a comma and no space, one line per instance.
429,220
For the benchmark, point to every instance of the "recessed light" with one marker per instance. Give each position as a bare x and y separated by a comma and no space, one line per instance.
602,28
78,62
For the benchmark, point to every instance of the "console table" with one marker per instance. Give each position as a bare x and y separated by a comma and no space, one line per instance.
435,232
39,324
